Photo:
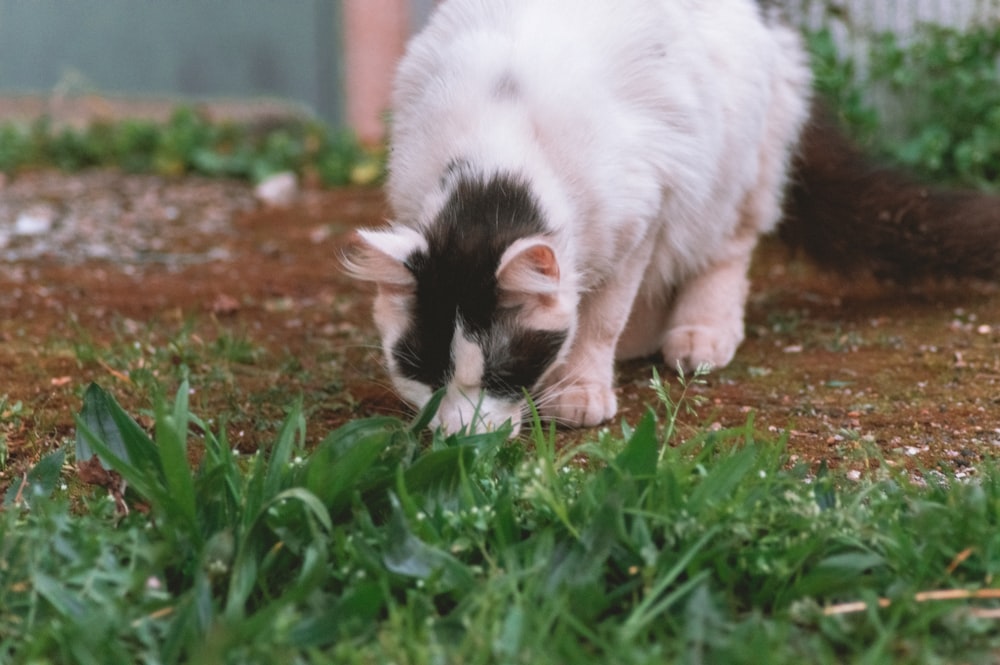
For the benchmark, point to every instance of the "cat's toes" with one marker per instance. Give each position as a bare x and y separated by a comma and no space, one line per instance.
694,346
583,405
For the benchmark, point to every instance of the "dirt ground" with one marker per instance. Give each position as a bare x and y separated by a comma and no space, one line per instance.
850,371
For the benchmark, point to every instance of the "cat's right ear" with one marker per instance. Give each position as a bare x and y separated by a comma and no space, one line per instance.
380,257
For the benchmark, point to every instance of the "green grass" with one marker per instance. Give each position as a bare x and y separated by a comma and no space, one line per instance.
189,143
383,544
936,103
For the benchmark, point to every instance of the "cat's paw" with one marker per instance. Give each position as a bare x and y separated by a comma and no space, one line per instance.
582,404
693,346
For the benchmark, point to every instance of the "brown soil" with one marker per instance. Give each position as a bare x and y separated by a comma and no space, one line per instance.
850,371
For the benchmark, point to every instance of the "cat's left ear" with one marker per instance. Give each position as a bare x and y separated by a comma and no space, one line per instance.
380,257
529,273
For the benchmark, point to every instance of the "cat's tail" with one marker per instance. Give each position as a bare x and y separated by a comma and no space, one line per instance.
850,213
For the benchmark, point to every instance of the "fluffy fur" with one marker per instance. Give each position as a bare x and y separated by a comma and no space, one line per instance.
575,167
579,180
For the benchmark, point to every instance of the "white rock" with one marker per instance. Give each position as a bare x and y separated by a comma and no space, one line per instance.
34,222
279,189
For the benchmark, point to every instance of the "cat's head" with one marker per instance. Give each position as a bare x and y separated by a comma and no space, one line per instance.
475,302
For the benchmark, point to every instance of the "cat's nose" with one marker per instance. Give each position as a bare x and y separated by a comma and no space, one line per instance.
474,416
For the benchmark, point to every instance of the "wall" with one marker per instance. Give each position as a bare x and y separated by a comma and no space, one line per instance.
195,48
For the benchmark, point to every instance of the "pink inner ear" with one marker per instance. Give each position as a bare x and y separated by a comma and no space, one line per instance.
529,268
543,259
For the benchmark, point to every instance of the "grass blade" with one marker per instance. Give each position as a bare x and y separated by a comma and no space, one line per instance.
171,440
292,434
654,602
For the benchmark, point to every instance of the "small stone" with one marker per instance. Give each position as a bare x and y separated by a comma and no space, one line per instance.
34,222
279,189
225,305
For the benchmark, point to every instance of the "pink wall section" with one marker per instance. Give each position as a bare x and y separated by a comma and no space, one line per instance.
375,34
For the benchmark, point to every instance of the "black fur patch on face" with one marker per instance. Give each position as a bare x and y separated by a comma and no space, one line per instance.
456,282
517,359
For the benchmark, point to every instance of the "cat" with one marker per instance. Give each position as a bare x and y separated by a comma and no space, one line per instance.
579,181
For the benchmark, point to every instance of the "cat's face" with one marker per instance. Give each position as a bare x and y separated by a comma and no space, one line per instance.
475,304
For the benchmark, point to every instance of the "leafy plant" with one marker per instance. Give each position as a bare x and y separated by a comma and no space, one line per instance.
190,143
939,112
383,545
950,81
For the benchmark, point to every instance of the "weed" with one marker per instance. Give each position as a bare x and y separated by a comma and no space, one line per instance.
190,143
384,545
683,405
11,414
939,117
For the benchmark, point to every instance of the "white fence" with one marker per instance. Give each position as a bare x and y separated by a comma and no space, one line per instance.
899,16
853,23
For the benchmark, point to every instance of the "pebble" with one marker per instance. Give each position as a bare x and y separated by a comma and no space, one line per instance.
129,219
34,222
280,189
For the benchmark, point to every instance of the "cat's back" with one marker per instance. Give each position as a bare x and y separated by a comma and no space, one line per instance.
593,82
557,45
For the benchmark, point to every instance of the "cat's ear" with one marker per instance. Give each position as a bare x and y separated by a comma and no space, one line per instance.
380,257
528,272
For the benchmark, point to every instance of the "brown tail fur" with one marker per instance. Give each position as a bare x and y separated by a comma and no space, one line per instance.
849,214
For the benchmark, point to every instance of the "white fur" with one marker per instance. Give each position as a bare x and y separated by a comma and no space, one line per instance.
656,135
464,405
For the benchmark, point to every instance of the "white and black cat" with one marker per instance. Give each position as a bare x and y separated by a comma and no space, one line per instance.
575,181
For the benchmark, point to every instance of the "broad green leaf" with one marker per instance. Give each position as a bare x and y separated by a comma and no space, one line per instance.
409,556
723,478
852,563
639,456
352,613
146,481
440,470
347,436
119,432
66,602
39,482
426,414
839,573
340,463
507,645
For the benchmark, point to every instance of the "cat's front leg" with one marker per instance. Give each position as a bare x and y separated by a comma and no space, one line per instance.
581,390
706,324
